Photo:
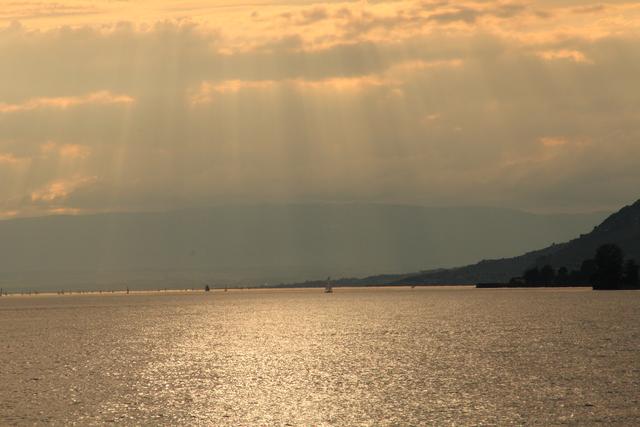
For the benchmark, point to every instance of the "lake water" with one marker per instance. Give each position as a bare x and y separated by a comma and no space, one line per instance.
427,356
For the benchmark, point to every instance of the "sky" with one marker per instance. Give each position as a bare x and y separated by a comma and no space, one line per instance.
118,105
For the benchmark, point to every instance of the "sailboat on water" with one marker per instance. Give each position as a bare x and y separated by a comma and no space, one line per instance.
328,289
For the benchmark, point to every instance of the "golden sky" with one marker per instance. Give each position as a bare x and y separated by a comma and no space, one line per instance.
158,104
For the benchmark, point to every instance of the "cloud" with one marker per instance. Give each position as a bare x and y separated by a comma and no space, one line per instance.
56,191
96,98
73,151
462,14
207,90
573,55
473,102
28,10
589,9
314,15
9,159
550,141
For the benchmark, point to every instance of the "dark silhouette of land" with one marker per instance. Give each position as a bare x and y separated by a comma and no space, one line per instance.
253,245
612,272
568,264
607,270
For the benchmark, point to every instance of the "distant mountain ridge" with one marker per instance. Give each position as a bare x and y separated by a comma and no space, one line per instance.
254,245
621,228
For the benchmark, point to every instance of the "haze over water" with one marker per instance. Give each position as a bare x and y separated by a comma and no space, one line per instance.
428,356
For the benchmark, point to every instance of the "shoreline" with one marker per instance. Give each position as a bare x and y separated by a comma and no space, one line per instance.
192,291
185,292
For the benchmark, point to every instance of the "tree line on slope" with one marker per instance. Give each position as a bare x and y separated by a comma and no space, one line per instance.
608,269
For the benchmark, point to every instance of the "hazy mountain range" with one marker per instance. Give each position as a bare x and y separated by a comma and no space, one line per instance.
257,244
621,228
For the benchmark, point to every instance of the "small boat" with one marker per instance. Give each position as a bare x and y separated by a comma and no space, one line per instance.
328,289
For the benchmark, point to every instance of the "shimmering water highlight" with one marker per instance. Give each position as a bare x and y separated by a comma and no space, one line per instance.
428,356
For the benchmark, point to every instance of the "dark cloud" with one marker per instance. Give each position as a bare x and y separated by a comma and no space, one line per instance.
314,15
463,14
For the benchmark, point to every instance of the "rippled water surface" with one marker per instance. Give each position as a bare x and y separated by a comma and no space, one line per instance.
354,357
